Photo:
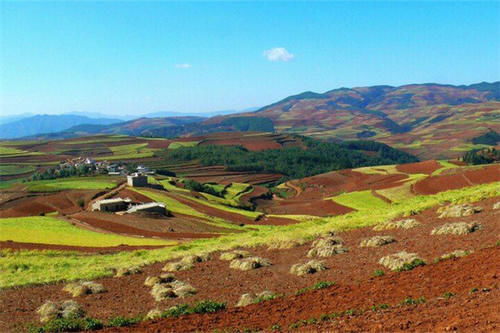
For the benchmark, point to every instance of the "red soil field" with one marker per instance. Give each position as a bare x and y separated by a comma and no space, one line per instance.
102,250
460,179
430,282
64,202
307,207
352,271
427,167
336,182
178,226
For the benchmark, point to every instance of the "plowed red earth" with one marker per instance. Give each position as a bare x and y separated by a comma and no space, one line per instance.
457,180
178,226
307,207
102,250
64,202
127,296
123,229
427,167
333,183
457,276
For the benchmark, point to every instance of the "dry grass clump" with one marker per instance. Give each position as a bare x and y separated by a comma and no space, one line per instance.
174,289
84,288
194,258
236,254
123,271
246,264
166,286
458,228
309,267
186,262
176,266
458,210
54,310
402,224
153,314
377,241
326,247
163,278
401,261
455,254
161,292
496,205
250,298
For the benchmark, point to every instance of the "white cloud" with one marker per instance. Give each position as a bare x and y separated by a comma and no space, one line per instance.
278,54
183,66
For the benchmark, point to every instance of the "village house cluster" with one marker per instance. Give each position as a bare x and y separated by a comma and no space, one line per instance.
103,167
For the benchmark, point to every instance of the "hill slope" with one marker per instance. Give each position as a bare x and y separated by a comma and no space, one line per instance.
428,120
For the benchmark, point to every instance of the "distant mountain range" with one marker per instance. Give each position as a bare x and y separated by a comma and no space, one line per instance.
47,123
427,120
28,124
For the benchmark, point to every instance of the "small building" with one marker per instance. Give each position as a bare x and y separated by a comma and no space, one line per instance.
150,207
111,205
137,180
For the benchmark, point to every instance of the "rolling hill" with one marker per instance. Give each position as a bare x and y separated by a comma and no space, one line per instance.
426,120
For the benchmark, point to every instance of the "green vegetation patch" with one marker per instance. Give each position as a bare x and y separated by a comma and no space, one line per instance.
315,157
11,152
80,183
51,266
49,230
127,152
362,200
11,170
181,144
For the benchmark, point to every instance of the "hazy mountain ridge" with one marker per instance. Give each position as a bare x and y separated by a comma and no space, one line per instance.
47,123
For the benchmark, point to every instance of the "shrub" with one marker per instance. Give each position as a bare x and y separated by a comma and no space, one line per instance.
411,301
317,286
448,295
123,321
378,273
207,306
68,325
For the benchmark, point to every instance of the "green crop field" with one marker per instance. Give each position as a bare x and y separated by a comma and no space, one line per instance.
11,152
77,183
50,230
180,144
30,267
224,207
127,152
10,169
362,200
104,139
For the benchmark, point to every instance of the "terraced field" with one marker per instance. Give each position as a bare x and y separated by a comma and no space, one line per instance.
303,239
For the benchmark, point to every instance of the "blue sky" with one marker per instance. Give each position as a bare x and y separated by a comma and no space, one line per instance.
134,58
